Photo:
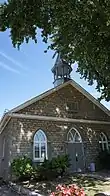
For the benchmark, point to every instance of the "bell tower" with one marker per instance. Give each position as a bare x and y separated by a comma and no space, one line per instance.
61,71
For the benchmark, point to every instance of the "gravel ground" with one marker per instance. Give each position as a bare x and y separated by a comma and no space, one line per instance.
6,191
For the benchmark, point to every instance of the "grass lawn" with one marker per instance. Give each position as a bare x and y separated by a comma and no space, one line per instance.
90,185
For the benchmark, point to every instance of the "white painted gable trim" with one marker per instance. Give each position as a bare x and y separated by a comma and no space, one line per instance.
90,97
75,85
39,97
4,122
56,119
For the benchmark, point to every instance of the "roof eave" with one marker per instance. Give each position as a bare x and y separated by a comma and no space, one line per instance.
5,119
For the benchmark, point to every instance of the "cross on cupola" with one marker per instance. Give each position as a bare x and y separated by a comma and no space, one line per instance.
61,71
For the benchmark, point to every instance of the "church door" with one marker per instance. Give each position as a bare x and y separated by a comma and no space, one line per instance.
75,151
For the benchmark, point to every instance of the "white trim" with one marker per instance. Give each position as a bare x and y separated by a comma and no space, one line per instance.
4,123
50,118
75,85
102,142
90,97
40,159
3,120
39,97
45,94
76,131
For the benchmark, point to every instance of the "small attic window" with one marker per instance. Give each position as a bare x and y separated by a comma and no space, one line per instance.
72,107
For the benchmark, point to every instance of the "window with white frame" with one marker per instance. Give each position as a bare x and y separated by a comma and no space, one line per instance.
103,141
74,136
40,146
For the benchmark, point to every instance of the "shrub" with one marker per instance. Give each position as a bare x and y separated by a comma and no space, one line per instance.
22,168
60,164
70,190
45,171
54,168
103,160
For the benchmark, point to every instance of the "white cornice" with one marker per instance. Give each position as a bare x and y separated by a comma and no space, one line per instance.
56,119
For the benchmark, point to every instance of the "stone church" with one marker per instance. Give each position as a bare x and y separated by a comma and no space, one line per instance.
63,120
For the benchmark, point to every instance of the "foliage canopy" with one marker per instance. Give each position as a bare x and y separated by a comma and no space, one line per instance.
79,29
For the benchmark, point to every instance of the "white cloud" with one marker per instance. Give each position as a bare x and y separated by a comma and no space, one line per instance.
7,67
12,60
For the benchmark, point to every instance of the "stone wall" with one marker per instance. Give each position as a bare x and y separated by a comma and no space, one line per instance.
5,157
56,104
21,133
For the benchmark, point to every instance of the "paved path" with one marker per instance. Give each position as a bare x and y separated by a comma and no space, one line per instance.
6,191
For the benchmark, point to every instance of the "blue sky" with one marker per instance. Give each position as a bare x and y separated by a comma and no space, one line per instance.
27,73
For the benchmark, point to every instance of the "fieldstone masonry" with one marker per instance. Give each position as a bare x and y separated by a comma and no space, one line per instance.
56,103
19,132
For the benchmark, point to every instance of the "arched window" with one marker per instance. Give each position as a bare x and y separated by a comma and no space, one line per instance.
40,146
74,136
103,141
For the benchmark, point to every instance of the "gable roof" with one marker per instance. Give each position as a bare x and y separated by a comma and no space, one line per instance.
7,116
71,82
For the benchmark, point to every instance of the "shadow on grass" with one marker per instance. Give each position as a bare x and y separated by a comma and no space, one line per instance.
85,181
90,184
